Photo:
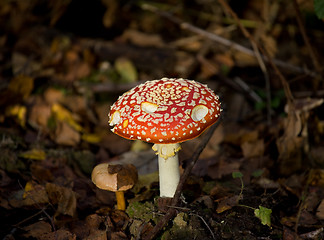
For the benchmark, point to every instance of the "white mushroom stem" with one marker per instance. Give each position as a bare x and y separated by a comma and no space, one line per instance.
169,174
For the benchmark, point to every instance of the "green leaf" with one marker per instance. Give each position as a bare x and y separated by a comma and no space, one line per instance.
237,175
264,215
319,8
258,173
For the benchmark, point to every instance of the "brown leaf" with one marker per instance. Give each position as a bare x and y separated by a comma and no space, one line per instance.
40,172
21,86
235,135
66,135
290,144
225,59
289,235
270,44
316,177
244,60
320,211
119,218
5,179
64,198
58,235
184,63
226,204
223,168
78,71
77,104
97,235
94,221
208,67
52,95
118,236
116,144
102,111
111,12
39,116
37,230
290,154
253,149
35,194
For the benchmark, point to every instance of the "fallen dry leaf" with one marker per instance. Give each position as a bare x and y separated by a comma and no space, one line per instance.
184,63
21,85
37,230
35,154
52,95
63,197
77,104
109,17
316,177
91,138
60,234
34,195
208,67
102,111
253,149
115,144
97,235
66,135
40,172
225,59
39,116
63,114
320,211
118,236
19,113
226,203
223,168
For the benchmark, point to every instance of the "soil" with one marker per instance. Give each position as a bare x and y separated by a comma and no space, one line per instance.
64,63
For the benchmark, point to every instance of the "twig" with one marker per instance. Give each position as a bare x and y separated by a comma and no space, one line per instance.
184,209
202,219
224,41
312,54
42,210
289,96
247,89
172,211
112,87
266,78
313,234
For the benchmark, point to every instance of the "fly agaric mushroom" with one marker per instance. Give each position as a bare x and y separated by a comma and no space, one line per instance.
116,178
165,112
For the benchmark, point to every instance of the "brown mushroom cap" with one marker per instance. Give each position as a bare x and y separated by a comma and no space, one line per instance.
114,177
165,111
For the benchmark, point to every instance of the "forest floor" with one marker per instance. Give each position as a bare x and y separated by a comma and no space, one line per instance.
64,63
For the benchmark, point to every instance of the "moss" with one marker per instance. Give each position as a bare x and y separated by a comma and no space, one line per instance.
186,227
144,211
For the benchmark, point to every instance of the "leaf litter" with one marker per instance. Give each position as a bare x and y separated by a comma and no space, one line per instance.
56,90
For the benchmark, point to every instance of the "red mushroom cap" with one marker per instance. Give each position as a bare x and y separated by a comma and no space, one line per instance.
165,111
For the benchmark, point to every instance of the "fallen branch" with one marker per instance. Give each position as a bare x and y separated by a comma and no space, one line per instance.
224,41
288,94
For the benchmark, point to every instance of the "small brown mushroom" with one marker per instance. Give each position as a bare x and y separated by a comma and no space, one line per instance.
116,178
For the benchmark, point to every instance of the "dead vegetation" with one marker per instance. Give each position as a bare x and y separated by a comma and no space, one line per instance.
258,174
